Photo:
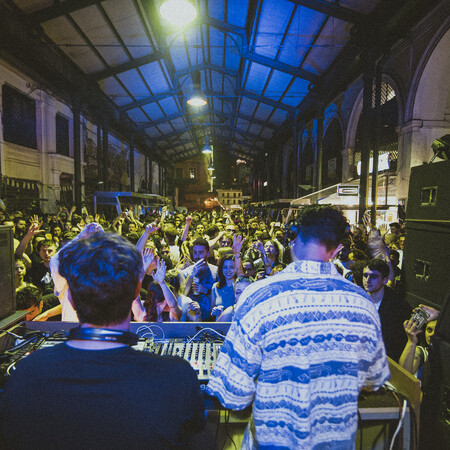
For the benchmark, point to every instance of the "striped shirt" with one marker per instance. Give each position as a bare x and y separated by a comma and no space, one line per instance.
301,346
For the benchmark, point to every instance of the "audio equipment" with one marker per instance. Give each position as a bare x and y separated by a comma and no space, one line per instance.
7,289
201,353
102,334
427,245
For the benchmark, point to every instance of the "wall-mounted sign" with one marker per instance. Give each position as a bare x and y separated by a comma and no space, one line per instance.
347,190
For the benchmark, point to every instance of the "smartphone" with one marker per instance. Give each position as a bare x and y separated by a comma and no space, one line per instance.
420,317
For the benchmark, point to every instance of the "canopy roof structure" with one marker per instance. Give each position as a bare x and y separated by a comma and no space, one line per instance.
261,62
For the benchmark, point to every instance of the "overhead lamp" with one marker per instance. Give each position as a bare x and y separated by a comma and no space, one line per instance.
197,97
178,12
441,148
213,176
207,148
211,167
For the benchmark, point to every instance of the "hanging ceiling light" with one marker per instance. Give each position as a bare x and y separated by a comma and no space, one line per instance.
178,12
211,167
207,148
197,96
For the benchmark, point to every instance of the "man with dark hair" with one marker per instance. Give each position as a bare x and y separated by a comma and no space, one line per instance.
301,346
29,298
199,278
393,311
95,390
40,272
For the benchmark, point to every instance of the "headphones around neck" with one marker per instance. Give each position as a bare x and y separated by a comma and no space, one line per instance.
103,334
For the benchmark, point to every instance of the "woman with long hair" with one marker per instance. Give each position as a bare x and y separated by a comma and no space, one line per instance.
270,257
222,293
161,304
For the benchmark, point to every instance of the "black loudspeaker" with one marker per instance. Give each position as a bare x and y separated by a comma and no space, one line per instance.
425,277
7,290
426,260
429,193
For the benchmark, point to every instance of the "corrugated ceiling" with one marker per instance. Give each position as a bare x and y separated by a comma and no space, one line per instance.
256,61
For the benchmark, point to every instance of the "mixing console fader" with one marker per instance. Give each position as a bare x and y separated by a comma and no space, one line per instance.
201,355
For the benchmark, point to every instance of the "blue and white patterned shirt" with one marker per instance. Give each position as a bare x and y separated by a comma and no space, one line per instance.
301,346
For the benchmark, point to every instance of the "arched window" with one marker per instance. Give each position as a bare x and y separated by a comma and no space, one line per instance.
388,134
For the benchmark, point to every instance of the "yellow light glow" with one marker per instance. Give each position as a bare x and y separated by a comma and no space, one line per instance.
197,101
178,12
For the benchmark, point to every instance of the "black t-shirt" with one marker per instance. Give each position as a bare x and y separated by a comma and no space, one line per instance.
66,398
393,312
42,278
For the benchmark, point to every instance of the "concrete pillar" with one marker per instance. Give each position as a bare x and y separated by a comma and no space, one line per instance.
132,187
105,156
319,141
365,147
348,162
77,153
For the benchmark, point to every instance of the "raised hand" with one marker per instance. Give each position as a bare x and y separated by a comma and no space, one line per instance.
260,247
35,228
238,241
91,229
410,330
434,313
198,267
151,228
149,260
160,273
383,229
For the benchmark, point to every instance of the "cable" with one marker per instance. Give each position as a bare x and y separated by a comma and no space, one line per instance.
16,336
360,430
413,418
206,329
217,429
148,328
400,423
227,431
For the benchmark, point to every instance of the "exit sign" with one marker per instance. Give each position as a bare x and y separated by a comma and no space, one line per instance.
349,190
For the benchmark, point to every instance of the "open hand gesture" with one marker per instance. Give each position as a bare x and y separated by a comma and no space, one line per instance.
238,241
149,260
35,227
160,273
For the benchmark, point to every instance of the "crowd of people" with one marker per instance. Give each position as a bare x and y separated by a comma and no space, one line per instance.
315,306
198,264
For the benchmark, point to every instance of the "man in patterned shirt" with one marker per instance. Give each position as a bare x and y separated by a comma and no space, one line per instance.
302,345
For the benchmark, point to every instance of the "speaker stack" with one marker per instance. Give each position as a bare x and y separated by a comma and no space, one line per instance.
426,259
7,290
426,279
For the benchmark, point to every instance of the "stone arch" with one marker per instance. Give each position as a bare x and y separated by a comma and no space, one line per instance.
427,108
431,79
